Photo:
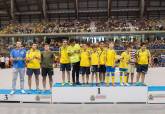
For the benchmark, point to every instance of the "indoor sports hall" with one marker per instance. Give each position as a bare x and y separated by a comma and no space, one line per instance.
82,56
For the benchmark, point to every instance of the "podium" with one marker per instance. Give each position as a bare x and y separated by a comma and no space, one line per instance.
99,94
156,94
88,94
30,96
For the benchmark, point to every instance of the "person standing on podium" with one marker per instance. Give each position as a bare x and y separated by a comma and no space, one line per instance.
74,54
143,62
17,57
102,61
111,58
65,62
85,63
94,54
33,59
47,61
123,66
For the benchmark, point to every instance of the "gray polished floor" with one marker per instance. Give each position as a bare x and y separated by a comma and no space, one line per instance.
7,108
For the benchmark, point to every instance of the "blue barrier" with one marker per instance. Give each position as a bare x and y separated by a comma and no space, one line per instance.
156,88
89,85
32,92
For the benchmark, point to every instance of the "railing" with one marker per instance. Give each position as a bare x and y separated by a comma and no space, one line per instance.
82,33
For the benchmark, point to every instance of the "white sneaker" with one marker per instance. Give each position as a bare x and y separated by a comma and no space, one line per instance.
121,84
23,91
70,83
12,92
126,84
63,83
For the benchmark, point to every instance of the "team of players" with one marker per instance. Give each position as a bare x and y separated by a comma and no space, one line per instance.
99,60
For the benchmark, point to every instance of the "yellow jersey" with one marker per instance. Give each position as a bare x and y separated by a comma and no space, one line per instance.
102,55
74,52
143,56
94,58
85,58
125,58
110,57
64,56
34,63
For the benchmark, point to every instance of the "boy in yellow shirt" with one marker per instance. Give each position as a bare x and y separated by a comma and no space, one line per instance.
94,63
102,61
33,60
143,61
85,63
123,66
110,64
65,62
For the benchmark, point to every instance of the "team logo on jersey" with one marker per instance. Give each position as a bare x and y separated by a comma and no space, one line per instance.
22,52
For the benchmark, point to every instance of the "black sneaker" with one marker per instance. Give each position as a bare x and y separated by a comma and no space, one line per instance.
97,84
74,84
78,83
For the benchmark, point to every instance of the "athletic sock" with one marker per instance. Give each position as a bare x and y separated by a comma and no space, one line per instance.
121,79
113,78
107,79
125,79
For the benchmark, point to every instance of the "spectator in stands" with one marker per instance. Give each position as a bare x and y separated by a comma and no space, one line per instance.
65,26
7,62
2,61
